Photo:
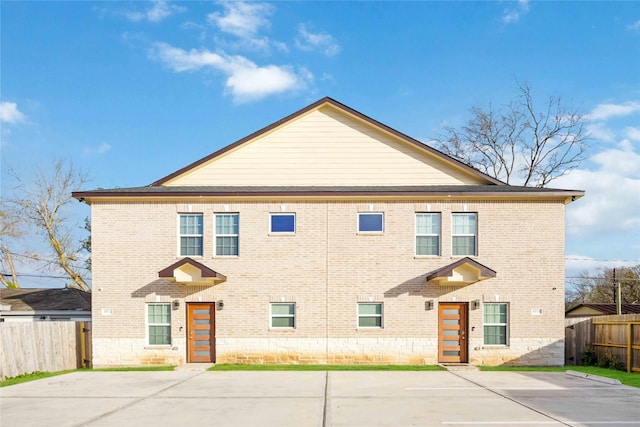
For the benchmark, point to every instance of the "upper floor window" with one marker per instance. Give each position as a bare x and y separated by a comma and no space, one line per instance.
191,235
282,223
370,222
427,234
464,233
227,232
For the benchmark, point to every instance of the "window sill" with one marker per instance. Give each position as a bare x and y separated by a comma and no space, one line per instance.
282,234
282,329
370,233
494,346
158,347
427,256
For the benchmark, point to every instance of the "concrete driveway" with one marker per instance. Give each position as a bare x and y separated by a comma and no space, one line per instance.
357,398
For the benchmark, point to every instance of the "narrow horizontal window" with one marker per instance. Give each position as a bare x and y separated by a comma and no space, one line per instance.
372,222
283,223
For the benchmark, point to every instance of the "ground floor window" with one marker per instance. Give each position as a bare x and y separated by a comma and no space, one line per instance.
283,315
370,315
159,323
496,316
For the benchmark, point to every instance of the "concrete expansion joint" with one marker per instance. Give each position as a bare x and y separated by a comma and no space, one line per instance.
458,367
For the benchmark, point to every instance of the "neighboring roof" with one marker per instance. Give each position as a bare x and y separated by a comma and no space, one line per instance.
28,300
345,109
332,191
606,308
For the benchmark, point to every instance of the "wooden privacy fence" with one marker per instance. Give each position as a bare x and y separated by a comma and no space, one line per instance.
614,337
43,347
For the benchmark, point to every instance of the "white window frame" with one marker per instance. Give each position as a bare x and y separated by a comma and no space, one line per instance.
288,316
438,235
475,235
180,235
381,231
149,324
291,214
215,235
505,324
359,316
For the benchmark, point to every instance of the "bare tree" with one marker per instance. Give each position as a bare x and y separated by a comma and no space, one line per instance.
602,287
43,204
9,229
518,143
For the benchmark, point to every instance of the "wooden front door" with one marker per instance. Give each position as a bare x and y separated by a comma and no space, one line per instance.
452,332
201,340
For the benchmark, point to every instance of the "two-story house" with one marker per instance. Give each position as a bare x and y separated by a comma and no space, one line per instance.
328,237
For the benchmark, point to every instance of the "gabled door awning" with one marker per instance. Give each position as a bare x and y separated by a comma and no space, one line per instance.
461,273
189,271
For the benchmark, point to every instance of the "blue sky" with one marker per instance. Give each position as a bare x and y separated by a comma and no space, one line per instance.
132,91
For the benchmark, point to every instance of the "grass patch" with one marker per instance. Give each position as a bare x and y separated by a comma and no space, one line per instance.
627,378
24,378
40,375
275,367
135,369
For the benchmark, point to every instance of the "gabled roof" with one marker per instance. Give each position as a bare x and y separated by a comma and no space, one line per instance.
326,101
37,299
606,308
465,271
183,271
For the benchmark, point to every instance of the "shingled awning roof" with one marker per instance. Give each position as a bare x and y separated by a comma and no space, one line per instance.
462,272
188,270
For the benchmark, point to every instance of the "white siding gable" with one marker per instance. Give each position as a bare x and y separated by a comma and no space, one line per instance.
326,147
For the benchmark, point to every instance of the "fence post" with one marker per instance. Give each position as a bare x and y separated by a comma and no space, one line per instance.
629,346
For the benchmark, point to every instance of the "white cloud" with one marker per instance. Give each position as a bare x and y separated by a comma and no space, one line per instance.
324,42
635,26
244,20
576,264
246,81
632,133
513,14
9,113
611,203
607,111
159,10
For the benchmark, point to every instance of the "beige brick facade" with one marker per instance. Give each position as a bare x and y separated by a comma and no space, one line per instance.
326,268
326,164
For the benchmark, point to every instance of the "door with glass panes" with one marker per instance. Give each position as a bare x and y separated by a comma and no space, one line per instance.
452,332
201,342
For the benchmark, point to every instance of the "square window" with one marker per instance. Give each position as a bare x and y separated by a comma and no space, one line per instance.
159,324
371,222
283,223
427,234
283,315
191,233
370,315
227,230
464,234
495,323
